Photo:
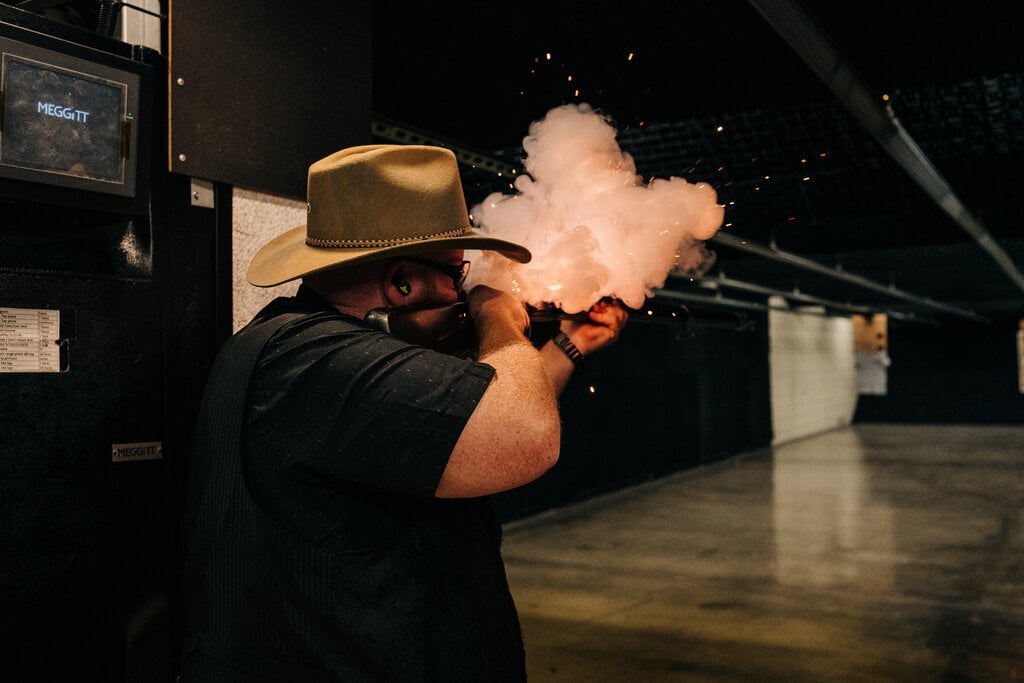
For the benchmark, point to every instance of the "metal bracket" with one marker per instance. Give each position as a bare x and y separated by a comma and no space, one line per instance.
201,193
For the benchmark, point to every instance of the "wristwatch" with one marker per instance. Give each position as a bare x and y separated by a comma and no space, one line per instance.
579,361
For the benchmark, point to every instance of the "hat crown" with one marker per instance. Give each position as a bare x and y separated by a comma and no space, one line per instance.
384,195
375,202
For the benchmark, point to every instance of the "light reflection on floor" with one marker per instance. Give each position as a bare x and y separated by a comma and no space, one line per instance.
875,553
828,529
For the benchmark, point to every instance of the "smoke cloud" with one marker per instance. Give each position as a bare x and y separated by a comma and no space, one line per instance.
595,228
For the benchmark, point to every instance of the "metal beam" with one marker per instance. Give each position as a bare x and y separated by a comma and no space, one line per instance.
805,263
792,22
716,300
726,302
38,6
720,281
397,133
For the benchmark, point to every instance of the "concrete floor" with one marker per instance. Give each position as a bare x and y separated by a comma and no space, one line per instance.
874,553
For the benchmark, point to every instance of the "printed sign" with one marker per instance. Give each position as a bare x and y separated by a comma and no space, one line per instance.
28,340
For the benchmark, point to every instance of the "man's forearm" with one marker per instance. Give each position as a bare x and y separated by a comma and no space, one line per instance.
557,365
514,434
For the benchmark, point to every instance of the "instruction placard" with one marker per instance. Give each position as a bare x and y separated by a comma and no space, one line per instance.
28,340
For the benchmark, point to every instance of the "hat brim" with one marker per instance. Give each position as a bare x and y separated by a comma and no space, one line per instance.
287,257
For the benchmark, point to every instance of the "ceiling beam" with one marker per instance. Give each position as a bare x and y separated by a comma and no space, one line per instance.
803,34
403,135
720,281
804,263
38,5
711,300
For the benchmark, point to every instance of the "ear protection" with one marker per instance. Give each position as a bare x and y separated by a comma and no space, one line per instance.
402,284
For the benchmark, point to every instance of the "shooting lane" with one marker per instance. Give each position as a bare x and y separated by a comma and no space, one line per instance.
743,512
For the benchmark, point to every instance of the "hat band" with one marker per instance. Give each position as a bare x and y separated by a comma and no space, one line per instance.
376,244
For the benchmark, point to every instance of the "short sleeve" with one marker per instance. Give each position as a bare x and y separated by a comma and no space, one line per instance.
335,404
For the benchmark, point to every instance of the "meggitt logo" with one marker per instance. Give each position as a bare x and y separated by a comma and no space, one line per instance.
122,452
60,112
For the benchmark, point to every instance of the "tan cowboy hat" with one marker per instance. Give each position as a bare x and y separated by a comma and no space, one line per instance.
375,202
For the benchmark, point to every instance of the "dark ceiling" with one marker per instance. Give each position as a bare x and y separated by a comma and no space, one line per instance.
792,165
799,174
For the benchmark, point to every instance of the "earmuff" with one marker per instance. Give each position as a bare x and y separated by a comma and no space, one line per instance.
402,284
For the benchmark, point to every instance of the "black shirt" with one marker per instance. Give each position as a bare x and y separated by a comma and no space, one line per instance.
333,555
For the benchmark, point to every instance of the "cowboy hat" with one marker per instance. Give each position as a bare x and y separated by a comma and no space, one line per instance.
375,202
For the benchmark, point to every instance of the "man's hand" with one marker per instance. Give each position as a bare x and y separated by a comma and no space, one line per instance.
607,318
499,317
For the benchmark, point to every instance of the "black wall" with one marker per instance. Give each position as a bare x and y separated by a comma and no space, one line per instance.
90,545
258,117
660,400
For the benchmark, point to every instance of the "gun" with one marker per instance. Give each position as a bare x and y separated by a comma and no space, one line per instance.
449,328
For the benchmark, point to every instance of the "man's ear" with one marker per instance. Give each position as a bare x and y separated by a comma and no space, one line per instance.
401,284
396,285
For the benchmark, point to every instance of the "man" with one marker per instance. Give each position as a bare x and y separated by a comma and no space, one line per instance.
336,522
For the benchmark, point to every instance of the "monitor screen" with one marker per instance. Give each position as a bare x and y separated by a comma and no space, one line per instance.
66,121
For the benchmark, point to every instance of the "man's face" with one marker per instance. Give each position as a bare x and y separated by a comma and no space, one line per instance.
440,274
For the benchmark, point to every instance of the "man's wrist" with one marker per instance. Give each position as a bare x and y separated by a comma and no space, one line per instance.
563,342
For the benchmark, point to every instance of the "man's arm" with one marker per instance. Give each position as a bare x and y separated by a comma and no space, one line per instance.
513,435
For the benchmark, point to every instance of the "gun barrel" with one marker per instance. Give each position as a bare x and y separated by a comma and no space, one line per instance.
449,328
657,313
